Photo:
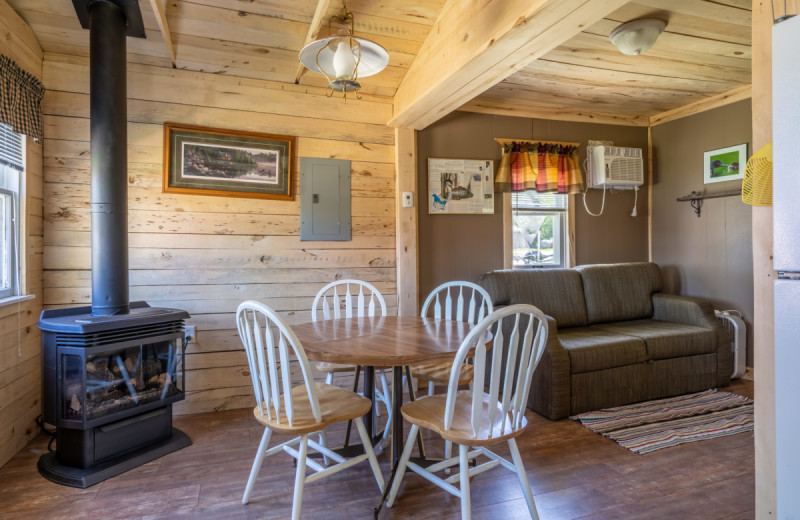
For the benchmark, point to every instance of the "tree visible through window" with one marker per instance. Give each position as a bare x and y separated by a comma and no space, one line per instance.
11,166
539,227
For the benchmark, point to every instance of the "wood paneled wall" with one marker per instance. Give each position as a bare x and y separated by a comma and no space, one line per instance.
20,341
207,254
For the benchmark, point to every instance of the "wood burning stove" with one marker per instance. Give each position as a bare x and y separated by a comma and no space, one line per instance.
109,384
110,372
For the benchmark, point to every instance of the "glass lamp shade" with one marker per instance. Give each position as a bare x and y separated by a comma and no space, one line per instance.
329,56
344,61
636,37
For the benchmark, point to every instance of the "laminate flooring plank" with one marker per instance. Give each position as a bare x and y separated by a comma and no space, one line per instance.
715,501
744,515
574,474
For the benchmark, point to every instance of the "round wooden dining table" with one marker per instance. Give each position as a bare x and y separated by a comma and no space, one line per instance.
383,341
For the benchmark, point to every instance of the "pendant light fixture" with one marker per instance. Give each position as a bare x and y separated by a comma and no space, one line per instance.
344,59
635,37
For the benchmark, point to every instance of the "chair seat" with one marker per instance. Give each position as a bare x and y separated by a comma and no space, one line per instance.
440,373
428,412
336,405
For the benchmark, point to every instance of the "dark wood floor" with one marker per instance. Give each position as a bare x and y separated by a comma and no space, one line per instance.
573,472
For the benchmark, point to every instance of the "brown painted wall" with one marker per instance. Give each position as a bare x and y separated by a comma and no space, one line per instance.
461,247
710,256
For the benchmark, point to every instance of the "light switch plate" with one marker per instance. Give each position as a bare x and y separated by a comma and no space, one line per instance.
408,199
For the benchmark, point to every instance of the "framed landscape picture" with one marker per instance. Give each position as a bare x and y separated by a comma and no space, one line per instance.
214,161
724,164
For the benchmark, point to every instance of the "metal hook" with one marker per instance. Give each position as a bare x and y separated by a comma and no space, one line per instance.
696,204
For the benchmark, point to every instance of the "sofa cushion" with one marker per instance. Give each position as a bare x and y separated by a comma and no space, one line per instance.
667,340
592,348
557,292
619,292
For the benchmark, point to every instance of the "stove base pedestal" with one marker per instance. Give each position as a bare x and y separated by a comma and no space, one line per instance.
51,469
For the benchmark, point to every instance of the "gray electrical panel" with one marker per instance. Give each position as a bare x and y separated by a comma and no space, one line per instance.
324,199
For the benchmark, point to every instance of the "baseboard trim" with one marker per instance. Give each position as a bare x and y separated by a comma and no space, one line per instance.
748,374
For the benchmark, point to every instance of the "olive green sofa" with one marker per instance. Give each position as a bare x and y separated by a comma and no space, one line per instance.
614,338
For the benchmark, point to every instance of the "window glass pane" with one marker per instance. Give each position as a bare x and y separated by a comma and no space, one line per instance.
12,153
538,227
537,238
5,247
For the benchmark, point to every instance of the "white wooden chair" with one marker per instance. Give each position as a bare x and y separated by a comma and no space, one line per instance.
348,299
471,304
473,419
307,408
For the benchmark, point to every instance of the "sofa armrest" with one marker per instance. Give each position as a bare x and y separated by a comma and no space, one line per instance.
550,390
700,313
684,309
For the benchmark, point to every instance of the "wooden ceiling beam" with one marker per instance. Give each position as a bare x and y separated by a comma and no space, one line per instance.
720,100
313,32
475,45
160,10
556,113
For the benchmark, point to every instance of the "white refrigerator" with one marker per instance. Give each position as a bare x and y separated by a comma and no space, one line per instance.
786,234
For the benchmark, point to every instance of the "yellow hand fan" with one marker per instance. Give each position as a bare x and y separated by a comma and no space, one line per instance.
757,184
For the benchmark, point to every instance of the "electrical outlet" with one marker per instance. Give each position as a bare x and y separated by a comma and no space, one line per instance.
190,334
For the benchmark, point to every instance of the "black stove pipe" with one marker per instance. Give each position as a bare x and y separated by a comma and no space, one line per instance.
109,151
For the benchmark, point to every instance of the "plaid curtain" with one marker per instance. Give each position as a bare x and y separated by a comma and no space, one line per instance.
20,99
539,166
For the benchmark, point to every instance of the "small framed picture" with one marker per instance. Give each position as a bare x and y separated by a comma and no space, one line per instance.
725,164
214,161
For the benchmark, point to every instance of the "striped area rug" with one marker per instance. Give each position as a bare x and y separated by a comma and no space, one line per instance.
652,425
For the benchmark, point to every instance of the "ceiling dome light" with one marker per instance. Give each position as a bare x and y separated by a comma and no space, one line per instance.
344,59
635,37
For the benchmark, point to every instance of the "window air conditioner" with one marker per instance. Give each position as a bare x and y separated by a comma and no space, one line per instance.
614,167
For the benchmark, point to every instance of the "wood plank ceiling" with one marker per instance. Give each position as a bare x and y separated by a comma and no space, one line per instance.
705,51
255,39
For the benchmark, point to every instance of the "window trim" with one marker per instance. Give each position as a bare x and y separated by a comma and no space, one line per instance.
16,190
11,237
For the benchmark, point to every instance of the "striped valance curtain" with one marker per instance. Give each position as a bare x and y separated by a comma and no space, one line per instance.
544,167
20,99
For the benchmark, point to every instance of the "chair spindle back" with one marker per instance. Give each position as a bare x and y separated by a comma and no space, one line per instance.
478,307
269,344
522,349
337,300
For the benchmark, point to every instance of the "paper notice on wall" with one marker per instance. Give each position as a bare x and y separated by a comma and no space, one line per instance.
460,186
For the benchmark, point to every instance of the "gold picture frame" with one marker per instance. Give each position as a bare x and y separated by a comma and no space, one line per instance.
228,163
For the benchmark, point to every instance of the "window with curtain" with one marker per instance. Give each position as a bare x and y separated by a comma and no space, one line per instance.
12,163
539,176
539,229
